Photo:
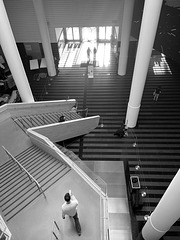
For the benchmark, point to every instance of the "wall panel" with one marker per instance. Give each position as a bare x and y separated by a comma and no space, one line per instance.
23,20
61,13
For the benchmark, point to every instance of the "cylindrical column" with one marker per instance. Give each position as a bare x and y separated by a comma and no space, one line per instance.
45,38
144,50
125,36
11,53
165,214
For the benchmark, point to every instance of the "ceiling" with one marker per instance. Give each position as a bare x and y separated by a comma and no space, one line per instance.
167,39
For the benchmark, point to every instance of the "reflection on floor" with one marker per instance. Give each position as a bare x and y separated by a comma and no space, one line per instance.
112,172
75,53
160,65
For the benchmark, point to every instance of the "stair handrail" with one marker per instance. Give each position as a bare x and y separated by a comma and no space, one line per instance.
37,138
23,169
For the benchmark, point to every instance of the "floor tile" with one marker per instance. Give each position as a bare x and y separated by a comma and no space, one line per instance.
119,221
112,178
109,166
118,205
116,191
120,235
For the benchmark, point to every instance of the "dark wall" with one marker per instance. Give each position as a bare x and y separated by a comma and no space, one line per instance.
25,57
167,39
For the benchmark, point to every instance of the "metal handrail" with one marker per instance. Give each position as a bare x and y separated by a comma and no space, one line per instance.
22,168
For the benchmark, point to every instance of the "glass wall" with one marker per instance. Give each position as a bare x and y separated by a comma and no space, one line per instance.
89,34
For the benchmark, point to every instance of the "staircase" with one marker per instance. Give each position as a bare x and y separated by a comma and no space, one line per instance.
25,122
17,191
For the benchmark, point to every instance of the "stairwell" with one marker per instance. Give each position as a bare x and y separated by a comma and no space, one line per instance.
17,191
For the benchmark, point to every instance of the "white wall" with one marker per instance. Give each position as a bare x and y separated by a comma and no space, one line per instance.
61,13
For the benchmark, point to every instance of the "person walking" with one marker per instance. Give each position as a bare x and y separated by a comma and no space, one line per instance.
88,53
2,72
122,131
156,93
70,208
94,51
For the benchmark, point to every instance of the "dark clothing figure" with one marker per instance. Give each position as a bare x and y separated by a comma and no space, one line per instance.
2,72
156,93
94,51
77,224
88,53
74,108
62,119
122,131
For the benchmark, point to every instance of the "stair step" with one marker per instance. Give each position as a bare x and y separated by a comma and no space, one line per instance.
17,191
119,221
118,205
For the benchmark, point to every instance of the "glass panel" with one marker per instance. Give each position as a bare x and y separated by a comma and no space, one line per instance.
69,33
76,33
108,33
94,33
89,34
101,33
99,181
107,49
116,32
58,33
62,36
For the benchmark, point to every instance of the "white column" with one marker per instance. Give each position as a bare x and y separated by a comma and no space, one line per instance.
166,213
45,38
11,53
152,9
125,36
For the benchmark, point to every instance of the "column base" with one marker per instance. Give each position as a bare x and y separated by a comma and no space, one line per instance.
140,237
122,65
132,116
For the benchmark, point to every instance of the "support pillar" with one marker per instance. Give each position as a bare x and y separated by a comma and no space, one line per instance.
151,13
13,58
165,214
125,36
45,38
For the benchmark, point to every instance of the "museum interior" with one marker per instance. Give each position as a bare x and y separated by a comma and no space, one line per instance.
120,181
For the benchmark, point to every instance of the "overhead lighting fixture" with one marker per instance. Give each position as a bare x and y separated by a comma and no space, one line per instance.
146,217
101,124
143,194
137,167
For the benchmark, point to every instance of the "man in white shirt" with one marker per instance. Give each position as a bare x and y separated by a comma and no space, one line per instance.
70,208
